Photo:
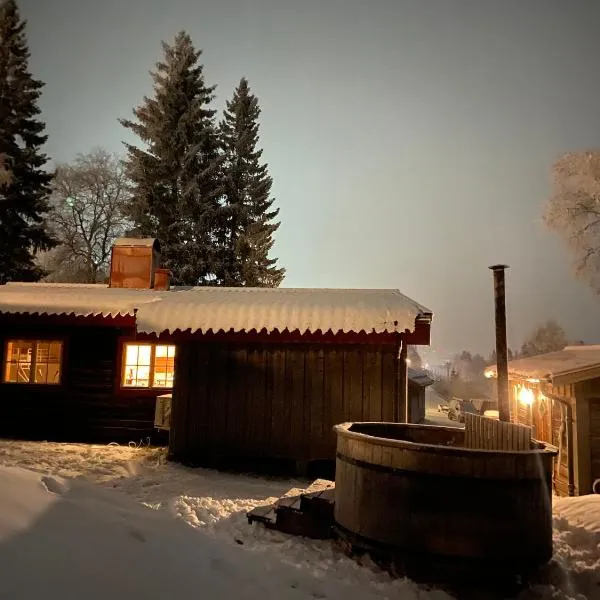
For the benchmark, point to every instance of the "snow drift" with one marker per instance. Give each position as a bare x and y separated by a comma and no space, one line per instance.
70,539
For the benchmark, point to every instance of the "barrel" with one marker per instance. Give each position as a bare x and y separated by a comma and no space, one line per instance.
416,492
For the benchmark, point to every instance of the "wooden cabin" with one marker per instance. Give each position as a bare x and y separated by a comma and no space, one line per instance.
254,372
558,395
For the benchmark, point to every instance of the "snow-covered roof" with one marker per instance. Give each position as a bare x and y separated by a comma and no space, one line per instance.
228,309
419,376
553,365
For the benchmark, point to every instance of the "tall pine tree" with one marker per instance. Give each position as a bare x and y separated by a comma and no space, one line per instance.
25,185
176,178
247,186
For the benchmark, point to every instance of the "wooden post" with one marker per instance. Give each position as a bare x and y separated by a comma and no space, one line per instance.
404,408
501,346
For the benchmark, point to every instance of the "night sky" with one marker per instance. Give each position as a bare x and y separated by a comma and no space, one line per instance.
410,141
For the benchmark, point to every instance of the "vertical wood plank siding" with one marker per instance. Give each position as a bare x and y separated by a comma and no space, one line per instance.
275,401
87,406
595,439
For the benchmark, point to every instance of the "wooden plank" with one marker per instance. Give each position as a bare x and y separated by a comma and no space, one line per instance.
295,393
372,384
269,400
333,396
198,393
315,413
237,413
353,385
388,384
218,397
279,420
490,434
256,441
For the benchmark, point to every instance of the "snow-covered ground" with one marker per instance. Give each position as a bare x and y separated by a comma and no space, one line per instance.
75,522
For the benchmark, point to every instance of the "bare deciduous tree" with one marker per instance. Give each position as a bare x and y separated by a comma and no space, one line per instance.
88,200
573,211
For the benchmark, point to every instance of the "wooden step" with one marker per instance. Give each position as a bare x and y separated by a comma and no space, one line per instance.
307,512
263,514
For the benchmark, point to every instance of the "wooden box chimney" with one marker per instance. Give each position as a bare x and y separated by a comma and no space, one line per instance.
134,262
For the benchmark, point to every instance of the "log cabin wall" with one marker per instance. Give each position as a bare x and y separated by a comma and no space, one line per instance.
276,401
545,416
588,421
595,441
87,406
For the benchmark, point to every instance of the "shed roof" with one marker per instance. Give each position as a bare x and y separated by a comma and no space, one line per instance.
573,362
205,309
420,377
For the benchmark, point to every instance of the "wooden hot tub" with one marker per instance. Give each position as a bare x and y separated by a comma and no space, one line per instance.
416,493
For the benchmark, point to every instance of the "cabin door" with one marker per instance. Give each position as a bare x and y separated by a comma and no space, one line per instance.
541,415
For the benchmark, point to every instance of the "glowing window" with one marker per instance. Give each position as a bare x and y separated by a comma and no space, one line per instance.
148,366
33,361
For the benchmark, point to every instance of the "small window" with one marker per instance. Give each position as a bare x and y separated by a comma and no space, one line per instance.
33,361
148,366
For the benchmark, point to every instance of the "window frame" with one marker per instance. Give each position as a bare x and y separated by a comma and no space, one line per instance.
35,339
149,389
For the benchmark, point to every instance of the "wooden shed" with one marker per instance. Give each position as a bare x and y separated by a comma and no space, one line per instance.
418,381
558,395
284,367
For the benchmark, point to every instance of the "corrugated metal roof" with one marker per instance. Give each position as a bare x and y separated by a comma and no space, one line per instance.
568,361
228,309
420,377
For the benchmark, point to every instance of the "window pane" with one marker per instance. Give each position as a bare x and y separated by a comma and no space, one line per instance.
41,373
10,373
137,365
19,351
42,352
144,354
142,377
55,351
164,366
54,373
18,367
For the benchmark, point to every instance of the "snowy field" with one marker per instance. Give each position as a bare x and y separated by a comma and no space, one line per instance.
116,522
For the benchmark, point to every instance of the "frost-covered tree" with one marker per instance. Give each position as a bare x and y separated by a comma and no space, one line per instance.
251,217
25,184
176,171
573,211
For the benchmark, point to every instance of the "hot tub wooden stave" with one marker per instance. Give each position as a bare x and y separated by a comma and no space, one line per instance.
426,496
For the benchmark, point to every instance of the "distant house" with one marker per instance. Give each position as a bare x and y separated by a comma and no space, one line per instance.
558,394
254,372
418,381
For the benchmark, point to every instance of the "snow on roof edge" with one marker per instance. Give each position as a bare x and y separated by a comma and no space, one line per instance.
224,309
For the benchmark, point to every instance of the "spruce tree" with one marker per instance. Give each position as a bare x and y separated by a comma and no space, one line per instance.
247,186
176,180
24,185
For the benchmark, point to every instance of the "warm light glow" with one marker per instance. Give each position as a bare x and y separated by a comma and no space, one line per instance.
533,380
526,396
408,361
148,365
489,374
33,361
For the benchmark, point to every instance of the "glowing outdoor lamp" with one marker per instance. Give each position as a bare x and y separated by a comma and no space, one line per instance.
526,396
